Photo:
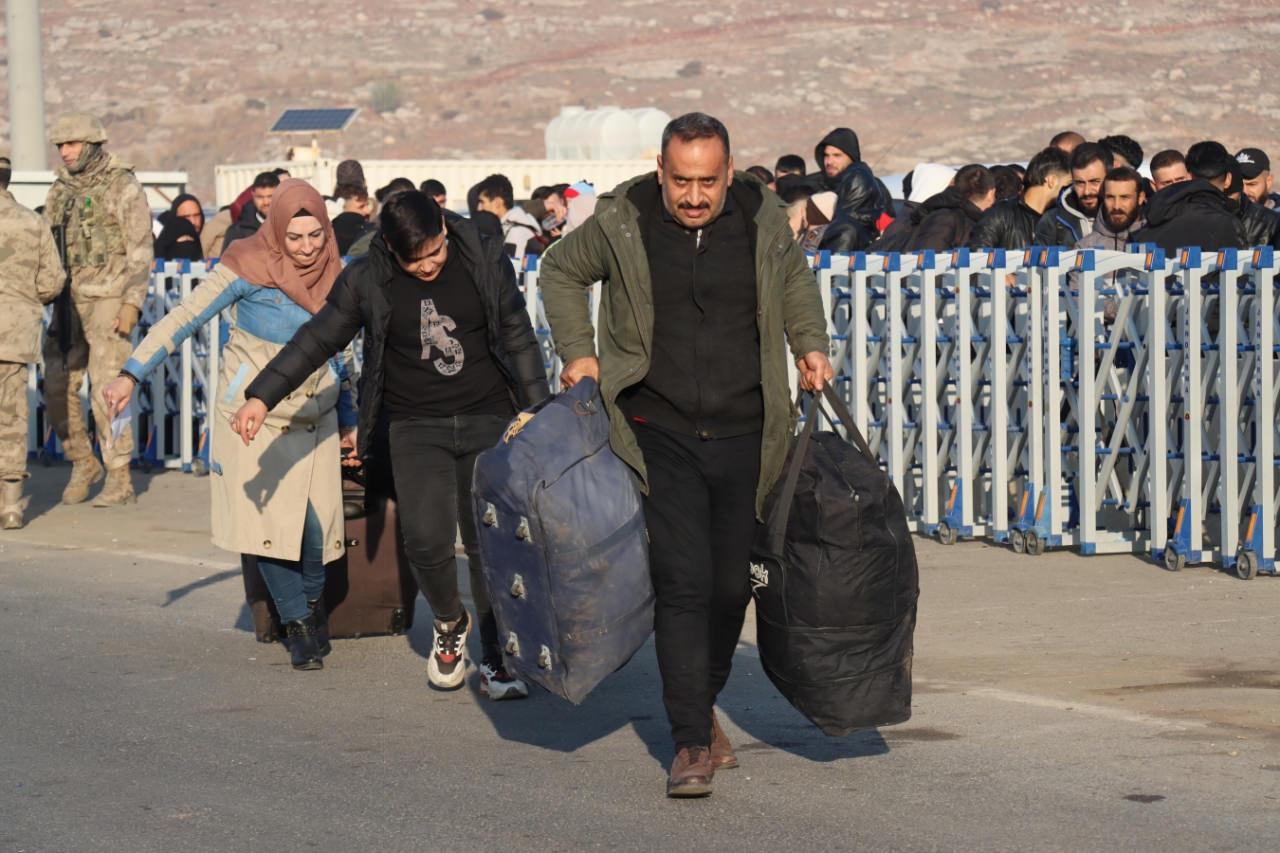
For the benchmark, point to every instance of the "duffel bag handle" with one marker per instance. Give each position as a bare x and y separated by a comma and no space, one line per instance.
842,412
782,510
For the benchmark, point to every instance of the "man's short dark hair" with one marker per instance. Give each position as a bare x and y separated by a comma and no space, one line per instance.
1209,160
1008,182
765,176
6,174
974,181
498,186
1088,153
397,186
280,171
1165,159
432,187
1125,173
691,126
349,192
1050,161
793,188
1126,146
263,180
539,193
408,220
789,164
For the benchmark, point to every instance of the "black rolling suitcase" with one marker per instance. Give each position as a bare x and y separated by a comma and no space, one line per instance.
369,592
834,575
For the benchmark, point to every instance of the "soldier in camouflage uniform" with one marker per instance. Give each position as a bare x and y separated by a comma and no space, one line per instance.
30,274
103,213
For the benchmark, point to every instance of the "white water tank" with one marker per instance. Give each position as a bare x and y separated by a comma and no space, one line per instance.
608,133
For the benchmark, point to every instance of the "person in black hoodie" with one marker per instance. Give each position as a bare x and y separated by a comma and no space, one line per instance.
947,218
1197,212
180,230
449,357
861,198
1011,224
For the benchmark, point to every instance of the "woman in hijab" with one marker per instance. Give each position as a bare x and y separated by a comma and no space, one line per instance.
280,499
180,231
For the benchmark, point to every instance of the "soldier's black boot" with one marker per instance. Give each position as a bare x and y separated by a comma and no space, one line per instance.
300,636
320,618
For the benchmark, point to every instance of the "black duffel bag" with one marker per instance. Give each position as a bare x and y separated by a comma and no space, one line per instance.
834,575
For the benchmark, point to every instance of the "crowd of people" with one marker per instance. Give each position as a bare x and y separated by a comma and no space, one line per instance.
1074,193
695,331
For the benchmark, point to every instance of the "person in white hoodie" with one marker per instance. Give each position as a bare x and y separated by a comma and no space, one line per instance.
518,226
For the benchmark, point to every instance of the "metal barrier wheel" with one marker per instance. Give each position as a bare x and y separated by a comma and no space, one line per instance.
1017,541
1035,545
946,534
199,467
1173,561
1246,565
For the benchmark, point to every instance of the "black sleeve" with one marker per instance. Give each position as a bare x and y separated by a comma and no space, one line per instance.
936,232
518,338
989,231
858,197
1047,230
319,339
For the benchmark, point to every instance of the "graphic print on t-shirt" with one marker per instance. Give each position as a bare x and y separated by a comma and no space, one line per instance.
433,331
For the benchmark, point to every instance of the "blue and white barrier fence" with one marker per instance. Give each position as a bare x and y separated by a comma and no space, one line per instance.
1107,402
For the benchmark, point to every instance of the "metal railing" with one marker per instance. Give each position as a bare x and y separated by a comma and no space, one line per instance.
1106,402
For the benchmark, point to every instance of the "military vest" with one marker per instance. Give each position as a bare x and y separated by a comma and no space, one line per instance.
92,234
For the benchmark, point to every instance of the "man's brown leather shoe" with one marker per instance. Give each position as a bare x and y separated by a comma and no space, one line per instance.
691,773
722,756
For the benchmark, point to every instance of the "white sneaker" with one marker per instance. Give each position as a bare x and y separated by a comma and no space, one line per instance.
498,684
447,666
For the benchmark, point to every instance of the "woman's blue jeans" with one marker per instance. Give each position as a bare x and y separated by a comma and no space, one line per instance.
293,583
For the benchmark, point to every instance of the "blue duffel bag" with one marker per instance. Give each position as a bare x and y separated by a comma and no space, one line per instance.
566,555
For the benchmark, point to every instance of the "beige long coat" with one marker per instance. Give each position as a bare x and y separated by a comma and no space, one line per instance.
260,492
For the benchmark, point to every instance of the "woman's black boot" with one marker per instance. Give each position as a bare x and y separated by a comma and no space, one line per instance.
303,648
320,618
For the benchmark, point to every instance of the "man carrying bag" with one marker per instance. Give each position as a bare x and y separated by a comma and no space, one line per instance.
701,278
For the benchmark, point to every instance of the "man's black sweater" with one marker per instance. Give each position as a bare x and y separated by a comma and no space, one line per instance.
704,374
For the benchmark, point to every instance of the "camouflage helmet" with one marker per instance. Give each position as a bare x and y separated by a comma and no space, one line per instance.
77,127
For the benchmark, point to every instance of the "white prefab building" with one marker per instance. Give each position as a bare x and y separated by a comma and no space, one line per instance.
457,175
30,189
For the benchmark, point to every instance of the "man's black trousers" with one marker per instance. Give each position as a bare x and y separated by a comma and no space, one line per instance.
432,460
700,513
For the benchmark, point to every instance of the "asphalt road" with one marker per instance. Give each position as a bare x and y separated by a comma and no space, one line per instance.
1061,703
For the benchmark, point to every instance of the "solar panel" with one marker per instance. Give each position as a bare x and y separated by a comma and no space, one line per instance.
314,121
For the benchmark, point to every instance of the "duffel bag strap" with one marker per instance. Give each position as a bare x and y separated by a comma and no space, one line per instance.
842,412
782,509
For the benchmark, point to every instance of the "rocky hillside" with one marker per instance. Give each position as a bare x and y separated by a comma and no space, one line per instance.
191,85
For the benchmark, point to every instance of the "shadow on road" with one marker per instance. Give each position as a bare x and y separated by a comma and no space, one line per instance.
633,697
183,591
